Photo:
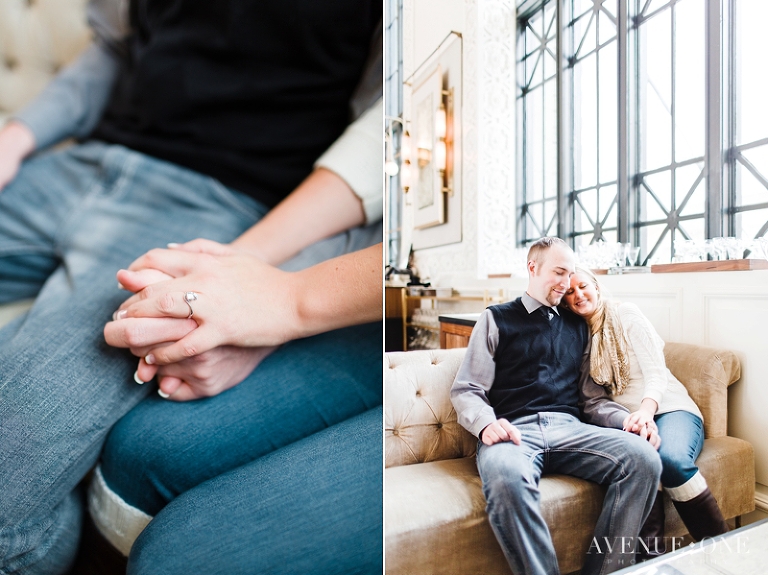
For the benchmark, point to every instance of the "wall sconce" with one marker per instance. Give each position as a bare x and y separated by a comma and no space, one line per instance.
443,142
406,173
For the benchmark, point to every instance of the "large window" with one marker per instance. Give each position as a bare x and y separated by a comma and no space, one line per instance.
393,102
641,121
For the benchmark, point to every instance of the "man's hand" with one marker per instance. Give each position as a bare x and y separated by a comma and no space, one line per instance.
500,430
16,142
635,421
650,433
209,373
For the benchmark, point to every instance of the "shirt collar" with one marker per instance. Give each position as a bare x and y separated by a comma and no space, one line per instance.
531,305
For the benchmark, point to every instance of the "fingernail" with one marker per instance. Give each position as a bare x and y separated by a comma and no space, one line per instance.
119,314
173,245
150,359
120,286
137,379
162,394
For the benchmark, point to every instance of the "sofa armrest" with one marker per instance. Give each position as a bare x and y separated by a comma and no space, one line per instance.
706,373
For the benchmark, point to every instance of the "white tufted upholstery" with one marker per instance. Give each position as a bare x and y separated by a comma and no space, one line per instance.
421,421
37,38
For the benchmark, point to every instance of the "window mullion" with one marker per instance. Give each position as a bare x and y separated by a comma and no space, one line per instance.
623,131
714,136
564,126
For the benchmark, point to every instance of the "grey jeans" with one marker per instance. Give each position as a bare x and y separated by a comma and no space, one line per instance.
559,443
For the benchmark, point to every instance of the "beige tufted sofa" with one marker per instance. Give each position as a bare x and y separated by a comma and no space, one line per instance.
435,521
37,38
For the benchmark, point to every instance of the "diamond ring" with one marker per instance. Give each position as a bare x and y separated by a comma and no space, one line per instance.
189,297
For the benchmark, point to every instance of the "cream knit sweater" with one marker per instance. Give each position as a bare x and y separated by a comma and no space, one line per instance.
648,373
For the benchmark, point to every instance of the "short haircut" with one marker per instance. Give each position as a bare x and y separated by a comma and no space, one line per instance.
540,246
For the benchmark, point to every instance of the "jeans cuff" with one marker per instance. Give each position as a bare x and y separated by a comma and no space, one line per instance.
118,522
688,490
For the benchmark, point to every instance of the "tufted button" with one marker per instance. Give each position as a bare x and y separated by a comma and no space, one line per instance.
439,425
55,67
418,393
391,366
395,432
11,63
434,362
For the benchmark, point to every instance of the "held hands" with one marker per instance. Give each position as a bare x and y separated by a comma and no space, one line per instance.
207,374
641,423
241,300
155,327
640,418
16,142
500,430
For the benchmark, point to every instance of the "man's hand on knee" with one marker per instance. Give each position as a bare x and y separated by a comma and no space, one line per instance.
500,430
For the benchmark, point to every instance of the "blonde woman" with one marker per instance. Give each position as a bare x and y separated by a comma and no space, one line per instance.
627,358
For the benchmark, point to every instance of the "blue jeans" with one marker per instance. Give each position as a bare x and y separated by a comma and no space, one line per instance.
682,439
162,449
68,222
559,443
313,507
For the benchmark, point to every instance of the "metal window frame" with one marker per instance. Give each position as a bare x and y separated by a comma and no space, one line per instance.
393,77
721,199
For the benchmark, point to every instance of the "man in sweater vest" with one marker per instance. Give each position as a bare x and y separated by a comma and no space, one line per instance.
525,391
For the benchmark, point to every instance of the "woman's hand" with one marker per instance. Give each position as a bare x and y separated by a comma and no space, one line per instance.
203,375
643,417
241,301
16,143
638,419
642,422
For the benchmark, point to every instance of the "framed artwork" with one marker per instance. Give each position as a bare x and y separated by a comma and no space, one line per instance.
428,200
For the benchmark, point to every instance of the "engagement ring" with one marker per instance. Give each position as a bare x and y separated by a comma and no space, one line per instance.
189,297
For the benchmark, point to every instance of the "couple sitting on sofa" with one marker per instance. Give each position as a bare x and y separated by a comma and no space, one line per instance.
527,376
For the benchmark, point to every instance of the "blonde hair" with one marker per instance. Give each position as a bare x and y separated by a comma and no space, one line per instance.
609,358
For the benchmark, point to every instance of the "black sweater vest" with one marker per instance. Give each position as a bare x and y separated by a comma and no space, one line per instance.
250,92
538,361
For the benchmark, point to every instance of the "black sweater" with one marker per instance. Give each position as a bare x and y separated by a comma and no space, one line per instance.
249,92
538,361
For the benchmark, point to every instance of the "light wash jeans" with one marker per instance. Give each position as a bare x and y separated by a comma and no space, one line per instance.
559,443
68,222
682,439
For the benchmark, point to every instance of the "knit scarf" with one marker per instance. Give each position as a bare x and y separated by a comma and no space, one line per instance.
609,361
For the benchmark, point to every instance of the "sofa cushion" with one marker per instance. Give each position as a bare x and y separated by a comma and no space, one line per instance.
435,520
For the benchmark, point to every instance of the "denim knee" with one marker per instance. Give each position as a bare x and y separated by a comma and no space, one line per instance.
507,479
642,458
132,460
677,468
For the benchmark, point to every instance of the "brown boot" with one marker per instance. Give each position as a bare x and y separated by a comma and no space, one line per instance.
651,540
702,516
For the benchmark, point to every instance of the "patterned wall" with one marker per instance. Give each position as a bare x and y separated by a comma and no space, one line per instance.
488,138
